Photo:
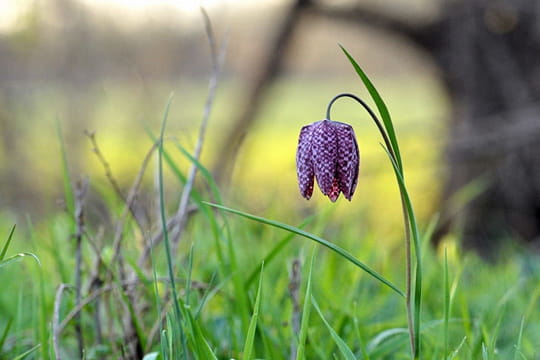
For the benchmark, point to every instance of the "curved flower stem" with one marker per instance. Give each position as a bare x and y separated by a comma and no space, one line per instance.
406,219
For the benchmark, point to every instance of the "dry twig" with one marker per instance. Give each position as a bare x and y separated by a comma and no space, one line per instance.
81,189
56,329
217,64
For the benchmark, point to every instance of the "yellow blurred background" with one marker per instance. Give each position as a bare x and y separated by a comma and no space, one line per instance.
110,66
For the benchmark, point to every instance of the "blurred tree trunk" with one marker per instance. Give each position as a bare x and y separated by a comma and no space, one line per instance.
488,54
266,74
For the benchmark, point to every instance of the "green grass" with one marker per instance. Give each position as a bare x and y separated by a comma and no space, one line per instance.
487,302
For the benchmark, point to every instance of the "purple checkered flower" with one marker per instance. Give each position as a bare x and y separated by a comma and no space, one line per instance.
327,151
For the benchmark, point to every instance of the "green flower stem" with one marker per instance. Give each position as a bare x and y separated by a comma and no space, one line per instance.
406,217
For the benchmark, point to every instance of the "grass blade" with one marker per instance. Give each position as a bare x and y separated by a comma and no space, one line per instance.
250,337
275,251
343,253
304,325
204,172
26,353
342,346
387,342
18,257
8,241
485,355
381,106
456,351
68,189
177,311
417,249
446,303
5,333
517,353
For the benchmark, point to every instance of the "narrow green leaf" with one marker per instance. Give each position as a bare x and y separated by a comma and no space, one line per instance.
342,346
177,329
361,344
250,337
5,333
387,342
381,106
201,347
209,293
517,353
343,253
446,303
417,249
485,355
18,257
304,325
275,251
26,353
187,291
8,241
164,344
456,351
68,189
204,172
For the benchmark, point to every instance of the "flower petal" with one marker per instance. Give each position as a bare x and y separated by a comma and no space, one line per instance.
304,165
334,193
348,159
324,154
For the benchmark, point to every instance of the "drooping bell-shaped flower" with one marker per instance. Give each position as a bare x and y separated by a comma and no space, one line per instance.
327,151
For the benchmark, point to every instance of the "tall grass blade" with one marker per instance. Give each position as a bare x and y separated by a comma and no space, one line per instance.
381,106
18,257
359,337
343,253
8,241
5,333
304,325
446,303
275,251
177,312
456,351
517,353
485,354
342,346
26,353
204,351
68,189
387,342
164,342
250,337
417,249
204,172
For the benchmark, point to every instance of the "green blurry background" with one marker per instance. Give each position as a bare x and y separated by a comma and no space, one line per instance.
109,67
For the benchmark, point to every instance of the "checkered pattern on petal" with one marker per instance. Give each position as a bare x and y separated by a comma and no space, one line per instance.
324,155
348,159
304,165
327,151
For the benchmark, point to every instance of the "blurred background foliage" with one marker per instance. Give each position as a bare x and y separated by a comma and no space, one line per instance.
109,68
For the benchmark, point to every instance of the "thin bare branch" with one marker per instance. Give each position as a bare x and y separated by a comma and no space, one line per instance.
108,173
56,329
81,189
91,297
129,201
217,64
